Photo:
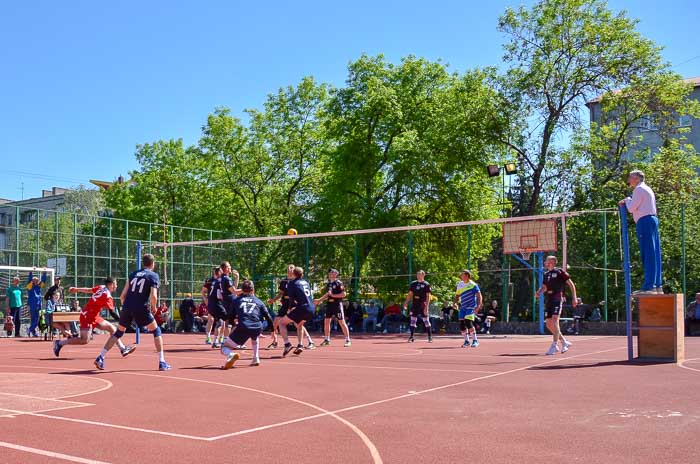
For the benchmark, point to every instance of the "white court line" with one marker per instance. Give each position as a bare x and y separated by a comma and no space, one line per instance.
107,386
683,366
376,458
14,413
50,454
457,371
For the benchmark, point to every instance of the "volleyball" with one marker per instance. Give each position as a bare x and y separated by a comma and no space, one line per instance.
292,232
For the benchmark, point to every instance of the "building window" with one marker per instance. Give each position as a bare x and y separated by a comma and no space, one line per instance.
685,120
647,123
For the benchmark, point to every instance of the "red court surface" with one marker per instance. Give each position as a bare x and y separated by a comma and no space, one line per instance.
382,400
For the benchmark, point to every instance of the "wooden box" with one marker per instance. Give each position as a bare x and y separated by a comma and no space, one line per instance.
661,336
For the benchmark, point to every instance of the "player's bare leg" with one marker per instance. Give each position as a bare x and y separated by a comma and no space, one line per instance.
275,330
210,325
326,331
84,339
345,329
300,337
558,336
311,345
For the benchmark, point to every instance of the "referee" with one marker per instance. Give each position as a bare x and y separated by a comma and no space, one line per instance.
642,205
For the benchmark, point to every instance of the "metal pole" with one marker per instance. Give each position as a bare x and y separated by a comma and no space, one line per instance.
410,255
75,250
307,252
192,259
605,266
683,254
534,287
126,252
628,278
16,235
110,246
356,271
94,220
469,246
138,265
504,288
540,279
57,236
35,261
564,245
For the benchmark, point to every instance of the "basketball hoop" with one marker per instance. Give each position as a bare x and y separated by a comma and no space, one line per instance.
525,253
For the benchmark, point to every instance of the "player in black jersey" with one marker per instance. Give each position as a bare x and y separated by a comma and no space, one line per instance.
250,313
553,286
284,298
140,290
229,291
301,309
419,295
335,292
206,294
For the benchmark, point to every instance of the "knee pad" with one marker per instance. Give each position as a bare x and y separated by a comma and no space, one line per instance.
414,321
157,332
118,334
426,321
462,325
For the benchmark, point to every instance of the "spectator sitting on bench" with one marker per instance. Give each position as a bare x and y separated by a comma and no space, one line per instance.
492,315
201,316
371,311
392,313
692,314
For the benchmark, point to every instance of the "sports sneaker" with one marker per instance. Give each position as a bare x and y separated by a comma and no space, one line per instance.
230,359
430,339
347,344
287,349
215,346
554,349
311,346
411,339
299,349
207,341
465,344
163,366
272,346
56,347
100,363
128,350
325,342
255,362
565,345
475,343
242,347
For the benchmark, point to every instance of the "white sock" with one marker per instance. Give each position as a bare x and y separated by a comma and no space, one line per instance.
225,350
255,348
161,356
103,353
466,338
474,334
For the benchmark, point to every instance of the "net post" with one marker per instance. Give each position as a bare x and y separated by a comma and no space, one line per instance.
469,246
628,278
138,262
504,288
564,244
307,252
534,289
683,254
16,235
356,270
410,255
540,280
605,266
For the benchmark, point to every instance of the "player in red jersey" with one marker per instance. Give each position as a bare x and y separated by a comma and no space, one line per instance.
90,316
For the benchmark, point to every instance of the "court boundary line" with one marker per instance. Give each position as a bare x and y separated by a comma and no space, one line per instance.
683,366
50,454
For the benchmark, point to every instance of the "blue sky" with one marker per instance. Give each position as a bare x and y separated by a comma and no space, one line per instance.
84,82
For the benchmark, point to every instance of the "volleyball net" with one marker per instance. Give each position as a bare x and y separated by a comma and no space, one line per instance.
378,264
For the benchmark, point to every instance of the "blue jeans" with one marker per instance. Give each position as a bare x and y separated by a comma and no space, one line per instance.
34,308
650,251
17,318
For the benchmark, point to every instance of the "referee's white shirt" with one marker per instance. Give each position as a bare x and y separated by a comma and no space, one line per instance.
642,203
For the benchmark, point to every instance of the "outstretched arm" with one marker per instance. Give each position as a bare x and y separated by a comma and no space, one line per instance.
80,290
572,287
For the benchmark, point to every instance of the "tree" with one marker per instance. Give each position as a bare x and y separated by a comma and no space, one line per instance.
561,54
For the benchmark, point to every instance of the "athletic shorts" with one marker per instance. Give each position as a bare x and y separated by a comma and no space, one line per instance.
466,313
241,334
218,312
418,309
552,308
283,311
142,317
335,310
465,324
299,315
90,320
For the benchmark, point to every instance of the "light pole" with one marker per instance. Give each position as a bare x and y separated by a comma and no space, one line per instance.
493,170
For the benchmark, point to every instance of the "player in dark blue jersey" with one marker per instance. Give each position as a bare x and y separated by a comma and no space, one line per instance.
335,292
284,298
419,294
301,309
140,290
250,314
229,291
217,311
206,292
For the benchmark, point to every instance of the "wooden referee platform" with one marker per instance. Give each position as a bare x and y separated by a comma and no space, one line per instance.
660,335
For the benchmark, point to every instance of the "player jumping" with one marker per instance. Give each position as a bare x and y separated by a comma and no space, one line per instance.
229,292
468,297
419,293
284,298
206,291
215,306
301,309
335,292
90,316
140,289
553,287
250,312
